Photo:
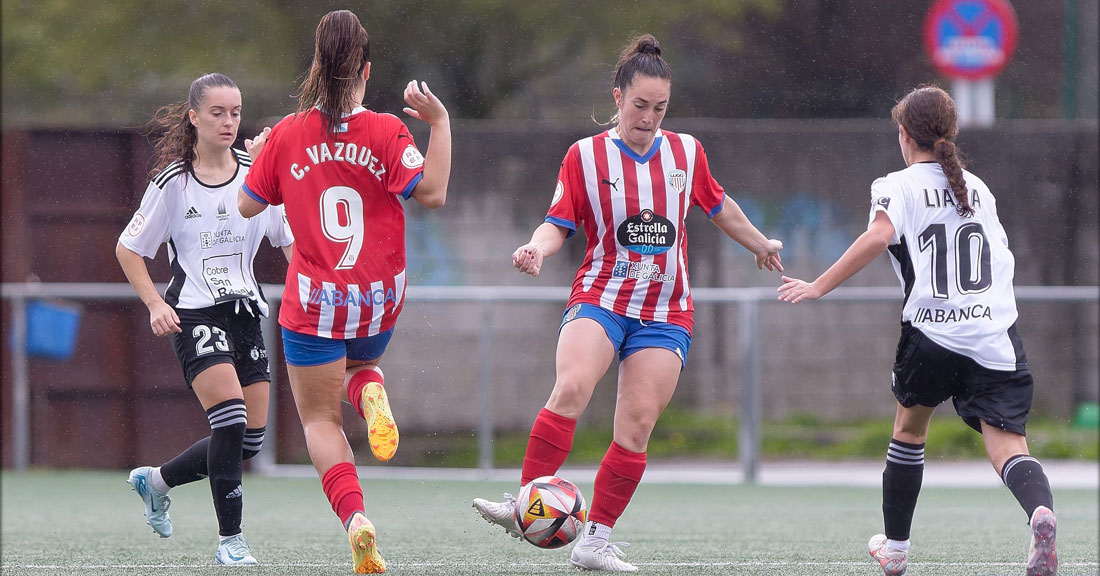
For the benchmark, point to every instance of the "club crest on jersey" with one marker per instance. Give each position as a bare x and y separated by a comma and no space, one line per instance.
222,214
411,158
571,314
883,201
559,191
646,233
677,180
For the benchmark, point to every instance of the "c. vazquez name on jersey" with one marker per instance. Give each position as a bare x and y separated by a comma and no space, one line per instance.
347,152
943,316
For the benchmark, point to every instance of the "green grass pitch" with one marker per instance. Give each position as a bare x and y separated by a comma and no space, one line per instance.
89,523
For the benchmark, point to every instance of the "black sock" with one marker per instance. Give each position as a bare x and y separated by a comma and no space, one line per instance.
188,466
901,483
227,423
1024,476
253,441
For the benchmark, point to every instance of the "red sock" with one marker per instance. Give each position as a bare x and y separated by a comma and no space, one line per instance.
548,446
359,381
618,477
341,485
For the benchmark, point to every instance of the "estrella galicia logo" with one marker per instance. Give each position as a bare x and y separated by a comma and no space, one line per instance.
883,201
646,233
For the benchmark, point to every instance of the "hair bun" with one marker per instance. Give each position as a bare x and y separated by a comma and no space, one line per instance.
648,45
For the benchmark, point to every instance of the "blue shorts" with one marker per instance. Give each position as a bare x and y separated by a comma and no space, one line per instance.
310,350
630,335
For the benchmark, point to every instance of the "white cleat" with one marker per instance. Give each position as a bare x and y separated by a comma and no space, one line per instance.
234,551
1042,557
894,562
605,556
502,514
156,504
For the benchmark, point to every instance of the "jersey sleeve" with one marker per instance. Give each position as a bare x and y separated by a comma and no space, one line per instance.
569,194
887,197
706,192
403,160
278,229
262,181
148,229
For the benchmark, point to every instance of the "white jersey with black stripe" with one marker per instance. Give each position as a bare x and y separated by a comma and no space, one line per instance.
210,245
957,272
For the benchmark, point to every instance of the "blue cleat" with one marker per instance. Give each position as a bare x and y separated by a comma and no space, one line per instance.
156,504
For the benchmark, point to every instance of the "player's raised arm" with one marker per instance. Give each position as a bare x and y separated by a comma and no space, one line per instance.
431,192
865,249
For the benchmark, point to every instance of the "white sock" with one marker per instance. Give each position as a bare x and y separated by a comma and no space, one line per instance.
158,481
596,534
897,544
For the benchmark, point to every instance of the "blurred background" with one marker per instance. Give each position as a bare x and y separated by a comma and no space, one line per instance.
791,99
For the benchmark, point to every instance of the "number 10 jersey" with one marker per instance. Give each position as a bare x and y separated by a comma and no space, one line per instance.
957,272
343,201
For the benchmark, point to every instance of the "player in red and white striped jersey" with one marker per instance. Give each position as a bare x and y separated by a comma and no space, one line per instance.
630,188
343,171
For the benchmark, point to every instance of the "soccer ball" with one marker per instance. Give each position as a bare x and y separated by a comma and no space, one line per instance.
550,512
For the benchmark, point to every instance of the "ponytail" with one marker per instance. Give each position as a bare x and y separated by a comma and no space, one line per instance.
928,116
341,51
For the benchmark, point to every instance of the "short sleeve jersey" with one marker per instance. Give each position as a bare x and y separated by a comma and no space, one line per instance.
957,272
210,245
632,208
343,200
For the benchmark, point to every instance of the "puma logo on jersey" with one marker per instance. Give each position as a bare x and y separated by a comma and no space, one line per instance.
614,185
192,213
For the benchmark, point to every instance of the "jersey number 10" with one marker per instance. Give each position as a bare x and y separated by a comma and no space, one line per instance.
342,222
973,270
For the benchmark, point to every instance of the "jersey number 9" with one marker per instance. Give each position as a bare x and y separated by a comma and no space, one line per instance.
342,222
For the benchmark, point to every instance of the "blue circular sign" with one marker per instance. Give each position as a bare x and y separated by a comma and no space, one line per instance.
970,39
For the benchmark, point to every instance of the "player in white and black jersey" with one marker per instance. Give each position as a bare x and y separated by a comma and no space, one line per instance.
958,340
212,305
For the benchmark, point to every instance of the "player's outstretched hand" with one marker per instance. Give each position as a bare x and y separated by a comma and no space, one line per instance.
528,258
423,105
254,145
771,259
163,319
794,290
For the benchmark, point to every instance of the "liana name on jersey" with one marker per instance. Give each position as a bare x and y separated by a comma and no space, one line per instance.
941,316
943,197
347,152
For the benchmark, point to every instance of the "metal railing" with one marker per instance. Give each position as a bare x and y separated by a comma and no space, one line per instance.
747,299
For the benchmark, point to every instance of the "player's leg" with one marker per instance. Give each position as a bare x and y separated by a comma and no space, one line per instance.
364,388
254,375
584,352
1000,402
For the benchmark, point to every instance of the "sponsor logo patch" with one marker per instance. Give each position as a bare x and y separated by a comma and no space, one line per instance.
883,201
646,233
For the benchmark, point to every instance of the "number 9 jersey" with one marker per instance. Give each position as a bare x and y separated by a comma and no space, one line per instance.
957,272
343,202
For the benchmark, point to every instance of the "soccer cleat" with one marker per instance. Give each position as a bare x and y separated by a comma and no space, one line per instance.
893,561
381,429
1042,557
364,549
500,513
603,556
156,504
234,551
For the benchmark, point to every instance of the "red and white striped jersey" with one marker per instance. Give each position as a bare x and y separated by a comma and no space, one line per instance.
343,202
632,208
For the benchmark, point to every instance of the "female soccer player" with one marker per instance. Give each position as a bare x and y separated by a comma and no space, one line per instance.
958,324
630,187
213,302
342,171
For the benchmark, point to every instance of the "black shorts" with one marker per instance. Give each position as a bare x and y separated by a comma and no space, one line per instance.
926,373
221,334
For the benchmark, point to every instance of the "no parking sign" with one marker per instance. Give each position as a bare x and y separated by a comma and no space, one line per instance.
970,39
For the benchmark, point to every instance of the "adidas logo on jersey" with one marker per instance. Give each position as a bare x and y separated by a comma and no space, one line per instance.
236,493
192,213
